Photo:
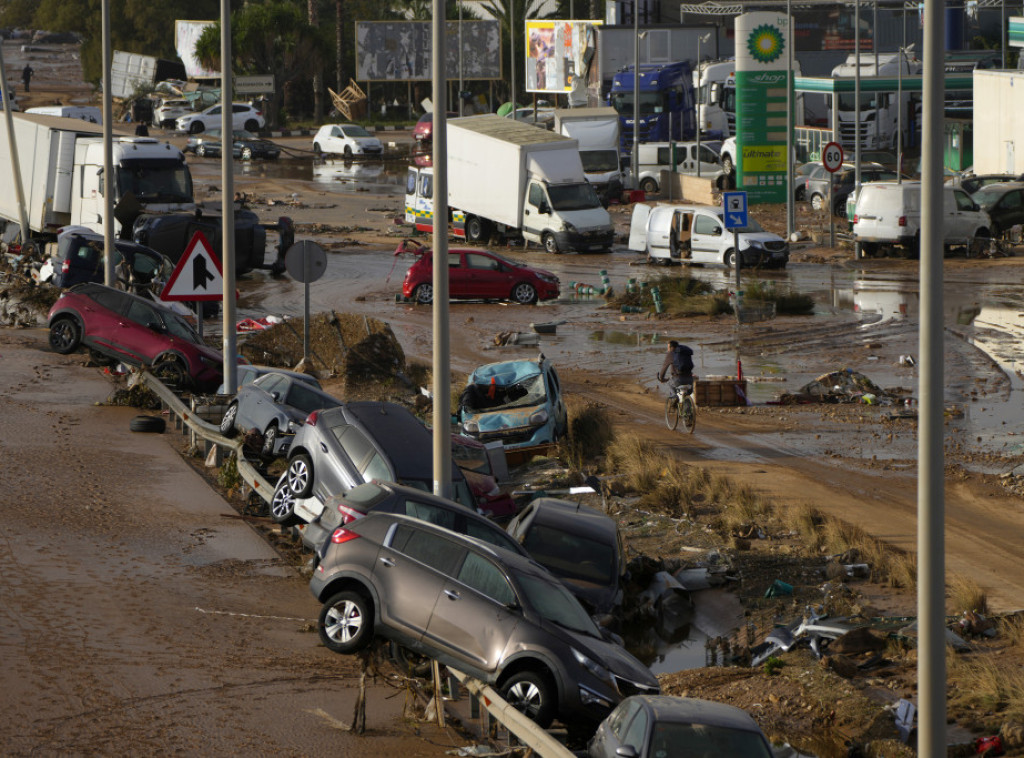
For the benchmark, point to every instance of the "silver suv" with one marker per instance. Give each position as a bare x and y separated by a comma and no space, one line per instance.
494,614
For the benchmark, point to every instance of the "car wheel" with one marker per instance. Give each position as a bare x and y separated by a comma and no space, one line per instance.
727,165
524,293
153,424
246,153
317,150
348,151
532,695
201,151
300,475
476,229
346,623
252,125
282,504
424,294
65,335
550,245
730,258
269,443
410,662
195,127
649,185
978,246
817,201
227,424
171,372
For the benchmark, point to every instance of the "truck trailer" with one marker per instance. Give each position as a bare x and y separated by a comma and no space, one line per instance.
666,103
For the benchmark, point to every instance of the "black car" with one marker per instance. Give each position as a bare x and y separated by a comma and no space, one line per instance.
973,183
818,183
580,545
170,234
1004,203
79,258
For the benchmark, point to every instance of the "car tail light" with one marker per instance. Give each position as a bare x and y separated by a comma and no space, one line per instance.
903,221
348,514
65,266
312,417
855,218
342,535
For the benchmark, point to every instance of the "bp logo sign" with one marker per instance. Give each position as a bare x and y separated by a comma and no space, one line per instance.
765,43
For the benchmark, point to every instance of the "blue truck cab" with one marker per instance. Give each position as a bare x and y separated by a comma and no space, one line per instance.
666,103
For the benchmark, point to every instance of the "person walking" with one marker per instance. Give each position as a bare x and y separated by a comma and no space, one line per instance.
26,76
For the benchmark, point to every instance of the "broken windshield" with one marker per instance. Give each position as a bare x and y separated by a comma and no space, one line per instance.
497,397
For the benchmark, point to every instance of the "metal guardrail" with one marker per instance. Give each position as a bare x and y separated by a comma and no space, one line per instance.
188,421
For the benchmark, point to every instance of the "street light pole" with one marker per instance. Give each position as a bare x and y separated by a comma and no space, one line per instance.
700,97
635,162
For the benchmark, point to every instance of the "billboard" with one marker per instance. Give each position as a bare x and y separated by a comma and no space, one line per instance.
400,50
186,33
557,54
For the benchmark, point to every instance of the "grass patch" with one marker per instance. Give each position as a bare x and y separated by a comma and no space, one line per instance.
590,433
983,683
680,296
965,594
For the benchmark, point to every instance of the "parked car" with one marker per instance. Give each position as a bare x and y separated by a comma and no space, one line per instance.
817,184
135,331
517,402
247,145
473,459
1004,204
655,157
246,373
492,613
651,726
350,140
697,234
479,275
338,448
580,545
800,179
424,128
208,144
888,214
243,116
79,258
388,497
974,182
275,405
169,111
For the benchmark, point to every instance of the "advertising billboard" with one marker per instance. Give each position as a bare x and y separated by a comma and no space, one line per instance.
400,50
557,54
186,33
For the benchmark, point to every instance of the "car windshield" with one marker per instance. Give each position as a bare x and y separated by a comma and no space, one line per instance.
555,603
495,397
302,397
988,196
179,327
571,556
356,131
751,227
243,134
702,739
599,160
158,180
573,197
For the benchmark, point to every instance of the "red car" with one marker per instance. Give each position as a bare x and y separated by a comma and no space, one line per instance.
135,331
424,128
478,275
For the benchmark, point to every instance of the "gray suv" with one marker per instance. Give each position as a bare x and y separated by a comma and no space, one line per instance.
494,614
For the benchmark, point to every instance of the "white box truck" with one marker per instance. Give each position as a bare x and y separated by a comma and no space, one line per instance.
508,179
597,132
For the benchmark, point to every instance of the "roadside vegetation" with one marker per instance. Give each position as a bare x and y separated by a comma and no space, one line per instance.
684,296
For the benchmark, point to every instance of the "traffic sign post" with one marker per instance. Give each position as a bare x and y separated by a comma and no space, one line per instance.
734,205
832,160
198,276
306,261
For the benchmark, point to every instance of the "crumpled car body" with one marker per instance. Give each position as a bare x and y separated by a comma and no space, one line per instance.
517,402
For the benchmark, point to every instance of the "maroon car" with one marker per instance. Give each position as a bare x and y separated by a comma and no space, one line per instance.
478,275
135,331
424,128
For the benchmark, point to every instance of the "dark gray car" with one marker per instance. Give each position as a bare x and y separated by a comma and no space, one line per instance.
651,726
357,442
275,405
489,612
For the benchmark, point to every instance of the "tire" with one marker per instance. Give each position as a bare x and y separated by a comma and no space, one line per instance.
201,151
348,152
410,662
730,258
817,201
171,372
246,153
151,424
979,245
689,415
649,185
346,623
195,127
532,695
317,150
269,443
227,424
65,335
550,245
671,412
424,294
524,293
727,165
300,475
282,504
252,125
476,229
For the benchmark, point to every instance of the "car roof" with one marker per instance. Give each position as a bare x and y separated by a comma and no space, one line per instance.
577,518
91,288
694,710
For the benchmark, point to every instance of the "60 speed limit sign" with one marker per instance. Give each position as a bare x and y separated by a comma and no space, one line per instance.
832,157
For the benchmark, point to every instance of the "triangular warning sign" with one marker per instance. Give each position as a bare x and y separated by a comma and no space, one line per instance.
198,275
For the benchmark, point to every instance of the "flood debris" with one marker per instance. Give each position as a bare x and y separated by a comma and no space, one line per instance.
843,386
506,338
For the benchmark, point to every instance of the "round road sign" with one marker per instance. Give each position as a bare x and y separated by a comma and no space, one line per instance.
832,157
305,261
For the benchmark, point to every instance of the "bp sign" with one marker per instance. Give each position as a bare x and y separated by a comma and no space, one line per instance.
762,78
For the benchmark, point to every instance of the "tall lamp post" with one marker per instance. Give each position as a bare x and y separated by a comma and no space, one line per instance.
635,158
700,97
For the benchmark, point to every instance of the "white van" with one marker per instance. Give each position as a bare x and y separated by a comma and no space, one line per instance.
888,214
655,157
697,234
89,113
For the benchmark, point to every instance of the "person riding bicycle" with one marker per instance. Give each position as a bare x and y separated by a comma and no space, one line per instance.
678,361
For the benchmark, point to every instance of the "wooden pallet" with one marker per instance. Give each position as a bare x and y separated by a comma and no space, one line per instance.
350,102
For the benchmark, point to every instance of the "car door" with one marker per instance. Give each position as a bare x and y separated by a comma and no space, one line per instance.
138,335
334,470
458,277
611,732
473,618
659,231
1009,211
257,401
706,238
533,219
411,570
102,316
487,277
211,118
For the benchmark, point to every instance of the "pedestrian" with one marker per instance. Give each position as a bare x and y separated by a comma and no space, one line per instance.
26,75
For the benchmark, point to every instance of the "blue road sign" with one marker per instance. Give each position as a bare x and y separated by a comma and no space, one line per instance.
734,204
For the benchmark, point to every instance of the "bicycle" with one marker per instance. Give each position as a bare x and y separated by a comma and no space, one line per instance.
682,404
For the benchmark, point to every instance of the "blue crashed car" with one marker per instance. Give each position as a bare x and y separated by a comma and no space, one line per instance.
518,403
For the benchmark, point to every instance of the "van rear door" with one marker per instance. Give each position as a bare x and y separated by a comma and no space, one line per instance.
638,228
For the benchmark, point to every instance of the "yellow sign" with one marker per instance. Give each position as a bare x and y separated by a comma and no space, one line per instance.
764,158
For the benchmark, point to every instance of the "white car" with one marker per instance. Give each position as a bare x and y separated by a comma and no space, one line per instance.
244,116
346,139
169,111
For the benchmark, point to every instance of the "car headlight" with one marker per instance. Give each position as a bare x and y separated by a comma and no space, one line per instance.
595,668
550,279
569,228
471,427
755,245
538,418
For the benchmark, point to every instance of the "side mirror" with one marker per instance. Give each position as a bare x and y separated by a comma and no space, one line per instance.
544,208
155,326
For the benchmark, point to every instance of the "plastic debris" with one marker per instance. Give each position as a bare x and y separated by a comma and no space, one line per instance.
779,588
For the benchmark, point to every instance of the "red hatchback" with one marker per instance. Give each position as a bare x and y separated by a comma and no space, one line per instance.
424,128
478,275
136,331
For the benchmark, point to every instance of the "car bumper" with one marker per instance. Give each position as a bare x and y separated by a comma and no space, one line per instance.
585,241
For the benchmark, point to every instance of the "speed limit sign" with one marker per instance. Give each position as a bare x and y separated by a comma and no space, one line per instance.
832,157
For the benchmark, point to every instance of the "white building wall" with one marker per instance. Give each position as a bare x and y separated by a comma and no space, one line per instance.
998,122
